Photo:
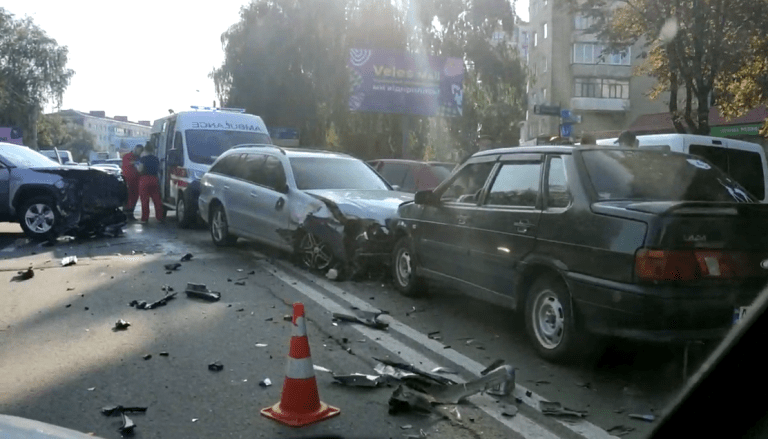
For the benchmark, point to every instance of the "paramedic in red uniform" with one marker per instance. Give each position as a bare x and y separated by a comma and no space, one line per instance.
149,185
131,176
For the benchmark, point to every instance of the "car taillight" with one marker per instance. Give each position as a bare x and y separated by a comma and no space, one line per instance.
690,265
181,172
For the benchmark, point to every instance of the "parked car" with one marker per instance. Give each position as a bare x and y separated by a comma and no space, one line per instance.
411,175
64,156
49,199
620,242
328,208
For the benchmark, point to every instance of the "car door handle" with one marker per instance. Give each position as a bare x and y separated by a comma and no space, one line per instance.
525,223
279,204
254,195
462,219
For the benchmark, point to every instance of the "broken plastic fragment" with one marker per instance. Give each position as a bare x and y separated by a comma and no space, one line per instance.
91,389
266,382
147,357
509,411
369,320
200,291
332,274
164,354
240,283
141,304
492,366
405,399
441,369
121,325
320,368
500,381
406,427
128,425
111,410
357,380
69,260
187,257
261,345
216,367
172,267
556,409
649,418
407,367
23,275
620,430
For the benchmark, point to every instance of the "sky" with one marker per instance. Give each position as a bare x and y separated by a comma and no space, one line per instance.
140,58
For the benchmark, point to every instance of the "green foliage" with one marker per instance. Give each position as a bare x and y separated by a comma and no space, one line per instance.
699,47
285,60
54,131
32,72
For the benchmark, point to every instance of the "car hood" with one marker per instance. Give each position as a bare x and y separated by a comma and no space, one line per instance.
74,171
379,205
13,427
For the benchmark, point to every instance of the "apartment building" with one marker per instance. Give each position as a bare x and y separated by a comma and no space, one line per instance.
570,68
113,135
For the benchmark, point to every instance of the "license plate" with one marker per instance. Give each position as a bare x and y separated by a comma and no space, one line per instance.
740,313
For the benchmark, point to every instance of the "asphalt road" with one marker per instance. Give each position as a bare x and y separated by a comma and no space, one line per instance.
60,361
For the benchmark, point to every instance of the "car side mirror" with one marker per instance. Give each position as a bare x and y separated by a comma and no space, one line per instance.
425,198
396,187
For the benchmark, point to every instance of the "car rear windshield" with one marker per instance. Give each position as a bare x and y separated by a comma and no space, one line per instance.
205,145
334,173
442,171
659,176
23,157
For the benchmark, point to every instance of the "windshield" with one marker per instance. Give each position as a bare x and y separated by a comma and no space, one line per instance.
442,171
334,173
26,158
657,176
204,146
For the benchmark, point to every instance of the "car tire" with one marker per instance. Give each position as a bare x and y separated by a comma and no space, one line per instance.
404,273
39,218
220,227
549,321
313,253
185,213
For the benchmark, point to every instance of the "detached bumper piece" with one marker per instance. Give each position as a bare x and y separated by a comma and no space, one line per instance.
200,291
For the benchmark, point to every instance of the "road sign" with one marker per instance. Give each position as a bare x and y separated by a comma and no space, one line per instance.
547,110
568,117
566,130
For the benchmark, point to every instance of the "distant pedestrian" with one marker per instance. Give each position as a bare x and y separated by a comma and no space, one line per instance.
131,177
149,184
627,139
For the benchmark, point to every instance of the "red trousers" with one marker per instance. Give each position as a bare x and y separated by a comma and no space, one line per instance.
149,187
133,194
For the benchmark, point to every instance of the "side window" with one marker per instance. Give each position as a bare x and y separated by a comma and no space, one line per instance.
394,173
467,184
177,142
557,184
516,184
274,174
746,167
251,168
168,137
227,165
716,156
409,184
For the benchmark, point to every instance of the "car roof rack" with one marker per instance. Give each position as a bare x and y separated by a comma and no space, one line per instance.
259,145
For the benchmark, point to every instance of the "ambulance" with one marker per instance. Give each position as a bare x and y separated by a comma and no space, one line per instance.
188,142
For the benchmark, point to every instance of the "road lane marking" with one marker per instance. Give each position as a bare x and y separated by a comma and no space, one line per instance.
520,424
584,428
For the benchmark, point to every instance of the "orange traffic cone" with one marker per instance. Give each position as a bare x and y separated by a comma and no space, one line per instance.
300,403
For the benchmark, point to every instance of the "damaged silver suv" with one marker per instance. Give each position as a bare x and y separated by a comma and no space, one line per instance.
49,199
330,209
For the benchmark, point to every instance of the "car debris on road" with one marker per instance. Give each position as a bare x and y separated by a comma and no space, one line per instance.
127,425
187,257
216,367
29,273
200,291
172,267
121,325
358,380
552,408
266,382
141,304
367,318
69,261
649,418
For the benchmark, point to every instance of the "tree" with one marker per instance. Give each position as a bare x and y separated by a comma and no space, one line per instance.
692,46
55,132
286,61
748,87
32,72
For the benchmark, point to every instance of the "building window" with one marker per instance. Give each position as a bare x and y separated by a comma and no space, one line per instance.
583,22
592,53
535,39
545,31
602,88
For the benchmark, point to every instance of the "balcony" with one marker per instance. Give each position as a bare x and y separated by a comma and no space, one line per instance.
600,104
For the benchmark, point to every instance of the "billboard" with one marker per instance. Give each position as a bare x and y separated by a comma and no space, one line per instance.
395,82
11,135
